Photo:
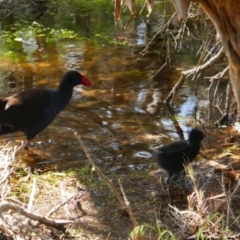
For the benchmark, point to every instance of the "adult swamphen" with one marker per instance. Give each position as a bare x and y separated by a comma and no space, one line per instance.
174,156
33,110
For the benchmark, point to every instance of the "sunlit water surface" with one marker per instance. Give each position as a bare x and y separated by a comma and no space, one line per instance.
122,118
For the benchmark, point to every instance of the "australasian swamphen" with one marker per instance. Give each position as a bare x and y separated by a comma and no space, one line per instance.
33,110
174,156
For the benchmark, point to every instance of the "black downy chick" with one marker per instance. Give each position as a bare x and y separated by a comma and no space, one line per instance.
174,156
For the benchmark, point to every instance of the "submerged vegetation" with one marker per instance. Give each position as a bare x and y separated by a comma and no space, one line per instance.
26,37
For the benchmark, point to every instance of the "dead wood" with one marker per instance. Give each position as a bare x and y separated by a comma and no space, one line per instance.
194,71
5,206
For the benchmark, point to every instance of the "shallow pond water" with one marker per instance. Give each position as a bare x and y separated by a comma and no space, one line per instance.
122,118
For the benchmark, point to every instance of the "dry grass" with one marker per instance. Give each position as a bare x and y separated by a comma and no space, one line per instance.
210,213
28,200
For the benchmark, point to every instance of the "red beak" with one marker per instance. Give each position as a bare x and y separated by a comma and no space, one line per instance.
85,81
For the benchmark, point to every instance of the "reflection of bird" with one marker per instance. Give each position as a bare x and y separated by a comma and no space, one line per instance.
172,157
33,110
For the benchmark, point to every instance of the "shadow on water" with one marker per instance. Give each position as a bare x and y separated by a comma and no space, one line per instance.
122,118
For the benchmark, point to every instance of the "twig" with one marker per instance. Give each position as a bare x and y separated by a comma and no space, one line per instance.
63,196
217,77
193,71
111,186
170,98
5,190
31,199
29,208
235,189
213,60
15,201
159,70
129,210
54,209
5,206
159,30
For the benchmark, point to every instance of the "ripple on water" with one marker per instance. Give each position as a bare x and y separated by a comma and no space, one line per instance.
142,154
138,167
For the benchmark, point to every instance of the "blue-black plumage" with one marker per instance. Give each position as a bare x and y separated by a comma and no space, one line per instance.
33,110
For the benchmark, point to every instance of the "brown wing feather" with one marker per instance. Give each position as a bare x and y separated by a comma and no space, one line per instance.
25,109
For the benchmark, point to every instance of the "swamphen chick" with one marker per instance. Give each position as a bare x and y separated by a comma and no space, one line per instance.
174,156
33,110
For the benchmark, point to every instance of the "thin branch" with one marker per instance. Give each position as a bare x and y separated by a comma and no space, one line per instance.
54,209
31,199
111,186
5,206
213,60
129,210
194,71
